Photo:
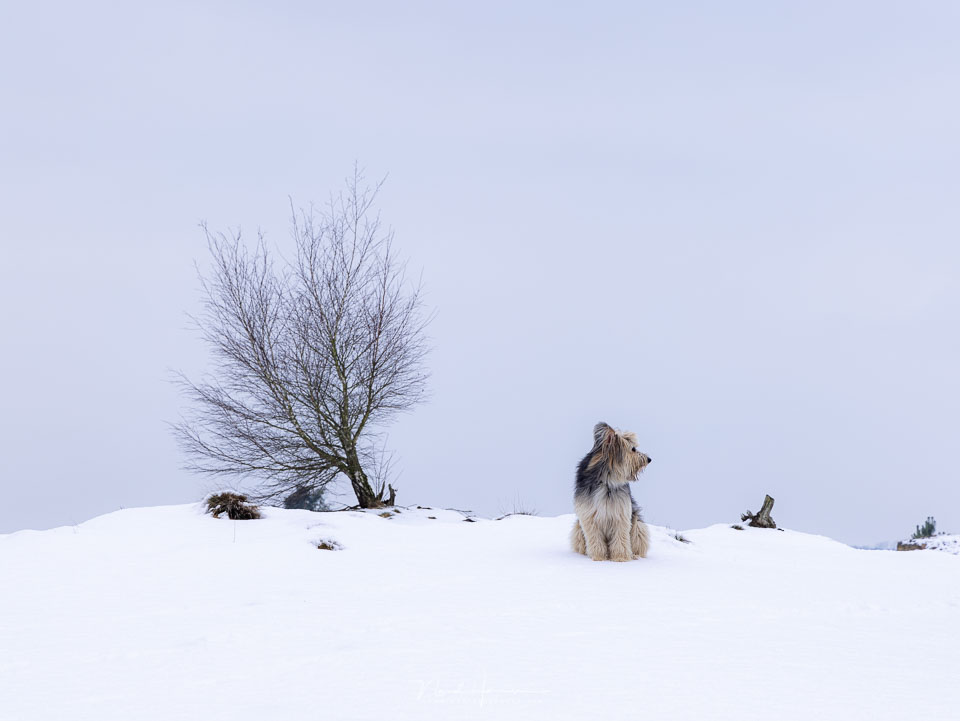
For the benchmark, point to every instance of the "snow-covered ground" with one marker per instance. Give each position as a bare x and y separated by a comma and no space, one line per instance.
165,613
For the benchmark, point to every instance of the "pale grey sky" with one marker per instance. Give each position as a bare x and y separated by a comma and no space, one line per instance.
731,228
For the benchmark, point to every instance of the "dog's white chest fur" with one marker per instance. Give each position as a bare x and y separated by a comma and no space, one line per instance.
612,506
608,507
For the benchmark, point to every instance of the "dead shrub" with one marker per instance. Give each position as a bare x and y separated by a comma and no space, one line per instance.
234,505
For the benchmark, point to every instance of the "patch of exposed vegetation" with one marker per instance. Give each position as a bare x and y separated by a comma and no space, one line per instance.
519,509
234,505
901,546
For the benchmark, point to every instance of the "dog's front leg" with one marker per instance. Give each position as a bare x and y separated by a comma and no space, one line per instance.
596,543
620,543
577,539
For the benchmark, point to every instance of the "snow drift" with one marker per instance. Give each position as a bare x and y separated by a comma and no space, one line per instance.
945,542
165,613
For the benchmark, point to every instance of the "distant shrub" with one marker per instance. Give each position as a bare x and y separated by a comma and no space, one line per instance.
928,529
680,537
307,499
232,504
328,545
737,527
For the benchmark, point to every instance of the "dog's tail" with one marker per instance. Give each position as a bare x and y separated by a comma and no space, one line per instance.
639,537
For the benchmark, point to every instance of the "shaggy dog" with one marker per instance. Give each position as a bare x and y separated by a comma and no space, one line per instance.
608,523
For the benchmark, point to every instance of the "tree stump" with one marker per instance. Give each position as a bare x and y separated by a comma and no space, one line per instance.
392,498
761,519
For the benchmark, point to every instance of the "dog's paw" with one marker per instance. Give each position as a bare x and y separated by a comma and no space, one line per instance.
620,559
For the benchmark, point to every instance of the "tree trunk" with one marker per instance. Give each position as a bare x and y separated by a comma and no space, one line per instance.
366,498
762,518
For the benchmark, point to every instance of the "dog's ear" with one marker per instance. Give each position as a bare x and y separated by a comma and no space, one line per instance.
601,432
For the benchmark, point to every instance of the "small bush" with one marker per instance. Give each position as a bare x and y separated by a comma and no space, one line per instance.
328,545
680,537
927,530
307,499
737,527
232,504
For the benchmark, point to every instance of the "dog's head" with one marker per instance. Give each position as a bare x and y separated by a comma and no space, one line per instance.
618,452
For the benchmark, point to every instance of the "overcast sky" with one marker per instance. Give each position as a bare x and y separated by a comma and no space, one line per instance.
730,227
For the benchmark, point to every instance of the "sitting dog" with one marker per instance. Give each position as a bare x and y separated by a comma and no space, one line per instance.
608,524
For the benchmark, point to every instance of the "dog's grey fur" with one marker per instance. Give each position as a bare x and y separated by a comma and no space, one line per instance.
609,525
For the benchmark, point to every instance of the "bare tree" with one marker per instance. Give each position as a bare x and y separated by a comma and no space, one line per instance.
312,358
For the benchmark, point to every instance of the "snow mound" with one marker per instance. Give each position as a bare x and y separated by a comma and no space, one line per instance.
946,542
165,613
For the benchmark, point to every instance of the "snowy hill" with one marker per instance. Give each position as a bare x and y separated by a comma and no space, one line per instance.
165,613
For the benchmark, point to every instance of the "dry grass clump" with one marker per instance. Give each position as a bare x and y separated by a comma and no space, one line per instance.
232,504
519,509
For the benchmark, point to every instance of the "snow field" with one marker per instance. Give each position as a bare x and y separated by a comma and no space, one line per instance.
166,613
